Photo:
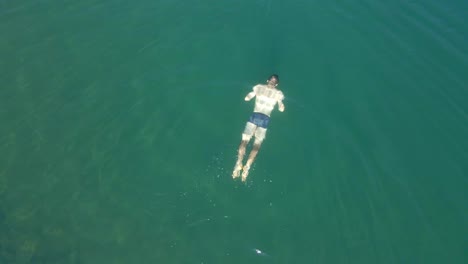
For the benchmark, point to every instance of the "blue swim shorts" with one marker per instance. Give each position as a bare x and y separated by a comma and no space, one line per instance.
259,119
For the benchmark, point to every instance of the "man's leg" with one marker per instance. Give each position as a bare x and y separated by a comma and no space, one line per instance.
240,157
252,155
259,137
246,136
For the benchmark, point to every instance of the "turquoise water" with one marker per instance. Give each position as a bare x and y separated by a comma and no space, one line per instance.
120,124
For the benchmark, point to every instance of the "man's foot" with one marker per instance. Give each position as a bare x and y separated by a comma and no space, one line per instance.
245,172
236,172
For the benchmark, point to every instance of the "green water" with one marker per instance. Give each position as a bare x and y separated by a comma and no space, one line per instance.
120,122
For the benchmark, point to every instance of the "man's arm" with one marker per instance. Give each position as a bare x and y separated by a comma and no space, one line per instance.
280,102
251,94
280,105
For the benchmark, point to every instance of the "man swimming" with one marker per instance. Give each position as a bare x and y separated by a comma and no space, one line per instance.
267,97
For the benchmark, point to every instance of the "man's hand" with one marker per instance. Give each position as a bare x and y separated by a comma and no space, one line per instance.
281,106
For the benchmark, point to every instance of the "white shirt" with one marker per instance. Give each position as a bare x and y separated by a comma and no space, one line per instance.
266,98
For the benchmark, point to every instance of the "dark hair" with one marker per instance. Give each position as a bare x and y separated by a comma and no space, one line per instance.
274,76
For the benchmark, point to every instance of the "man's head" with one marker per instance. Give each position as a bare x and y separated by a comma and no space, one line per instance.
273,80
